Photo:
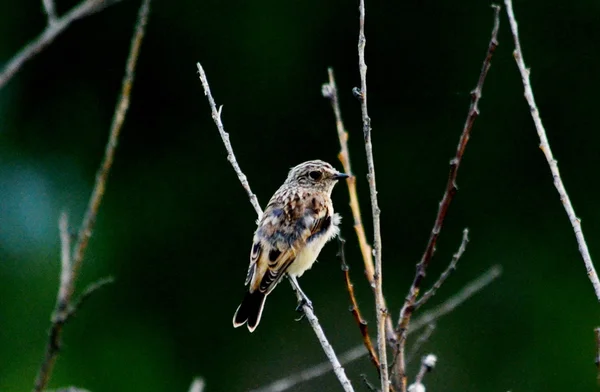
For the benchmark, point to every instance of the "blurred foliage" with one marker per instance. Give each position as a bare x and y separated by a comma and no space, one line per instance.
175,226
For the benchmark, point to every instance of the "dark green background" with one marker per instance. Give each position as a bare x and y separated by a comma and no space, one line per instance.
175,226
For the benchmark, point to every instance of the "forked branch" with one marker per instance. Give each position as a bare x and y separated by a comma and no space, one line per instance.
450,191
54,27
359,351
72,258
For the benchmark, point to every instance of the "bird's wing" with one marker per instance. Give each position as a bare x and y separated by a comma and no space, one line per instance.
281,235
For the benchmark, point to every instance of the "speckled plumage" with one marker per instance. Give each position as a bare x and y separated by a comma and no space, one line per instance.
294,227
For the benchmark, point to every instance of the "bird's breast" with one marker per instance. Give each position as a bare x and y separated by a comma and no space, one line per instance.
309,253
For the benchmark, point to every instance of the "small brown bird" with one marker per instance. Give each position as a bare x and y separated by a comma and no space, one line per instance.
295,226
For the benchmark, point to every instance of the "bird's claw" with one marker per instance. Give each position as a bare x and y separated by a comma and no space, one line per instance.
300,308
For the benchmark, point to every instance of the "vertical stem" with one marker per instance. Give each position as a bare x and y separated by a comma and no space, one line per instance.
378,276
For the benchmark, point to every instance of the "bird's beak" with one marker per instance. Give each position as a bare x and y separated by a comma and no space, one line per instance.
339,176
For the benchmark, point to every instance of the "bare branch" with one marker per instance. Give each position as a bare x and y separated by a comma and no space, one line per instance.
359,351
117,123
314,323
87,293
65,259
545,147
64,308
52,30
197,385
381,310
50,11
362,324
451,267
427,364
329,91
450,191
308,311
216,116
369,386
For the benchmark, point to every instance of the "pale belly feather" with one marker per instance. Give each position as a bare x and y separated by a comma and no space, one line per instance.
308,255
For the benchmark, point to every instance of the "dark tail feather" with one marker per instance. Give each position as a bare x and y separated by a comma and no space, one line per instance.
250,310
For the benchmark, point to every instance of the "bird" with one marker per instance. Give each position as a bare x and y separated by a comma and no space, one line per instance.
298,221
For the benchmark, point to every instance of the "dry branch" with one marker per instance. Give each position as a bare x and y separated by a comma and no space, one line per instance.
545,147
362,324
450,191
308,311
427,364
381,310
50,10
330,91
216,116
71,262
54,27
451,267
359,351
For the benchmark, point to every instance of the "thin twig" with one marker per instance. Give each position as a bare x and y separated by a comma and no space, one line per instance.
197,385
216,116
369,386
329,91
50,11
52,30
87,293
359,351
451,267
427,364
421,340
545,147
117,123
308,311
65,259
64,308
450,191
362,324
381,310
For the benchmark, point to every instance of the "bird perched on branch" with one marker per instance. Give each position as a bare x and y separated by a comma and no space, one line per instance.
295,226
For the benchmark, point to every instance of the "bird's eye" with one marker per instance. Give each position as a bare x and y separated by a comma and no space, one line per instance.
315,175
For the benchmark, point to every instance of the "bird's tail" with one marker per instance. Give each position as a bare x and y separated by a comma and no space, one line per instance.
250,310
